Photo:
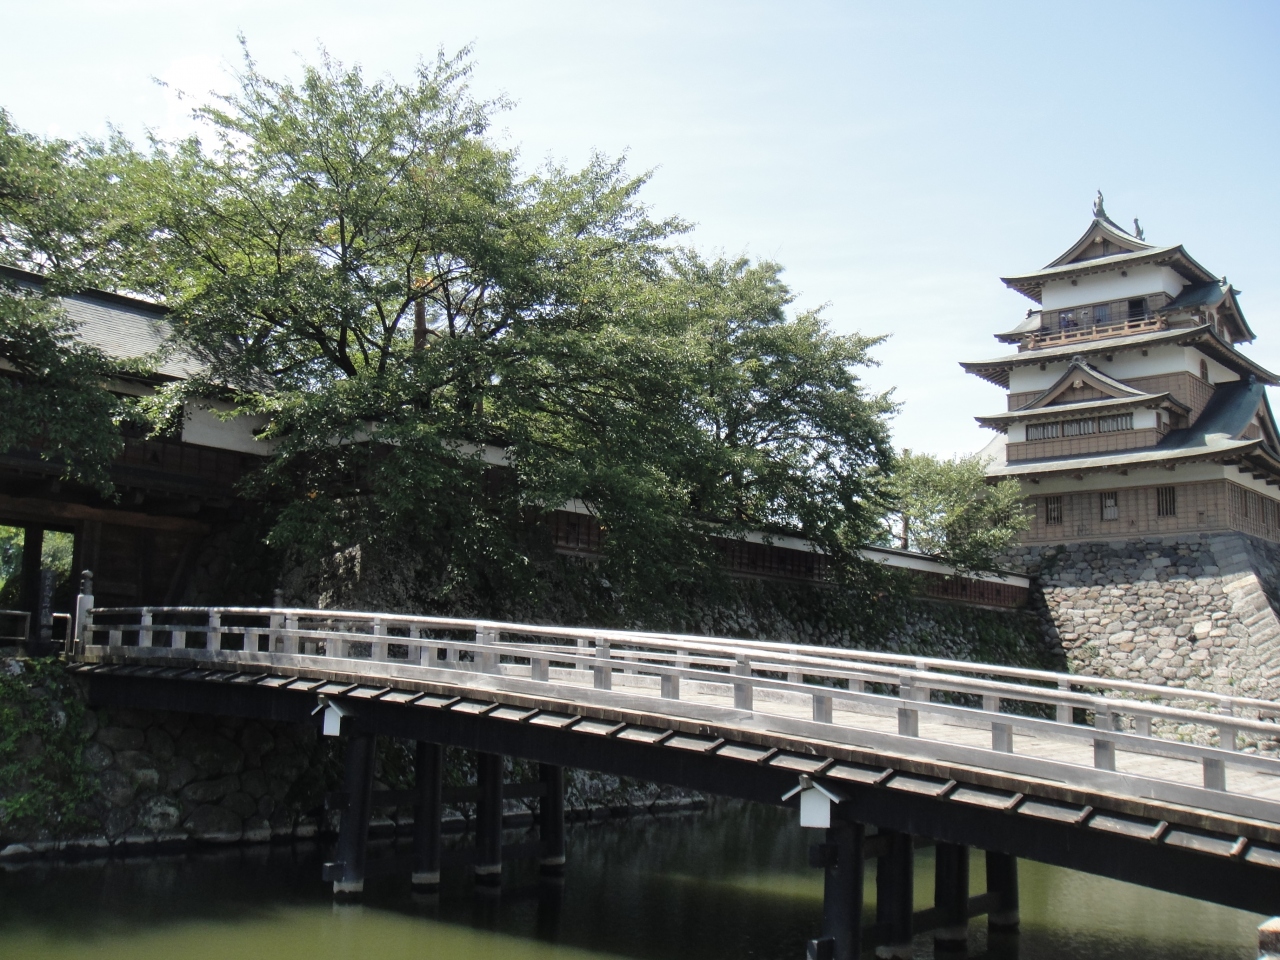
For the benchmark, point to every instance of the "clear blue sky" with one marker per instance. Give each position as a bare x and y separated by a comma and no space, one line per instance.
897,158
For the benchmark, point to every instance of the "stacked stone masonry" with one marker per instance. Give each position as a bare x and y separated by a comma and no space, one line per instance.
1194,610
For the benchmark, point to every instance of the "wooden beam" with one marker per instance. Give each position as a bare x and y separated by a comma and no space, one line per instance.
53,512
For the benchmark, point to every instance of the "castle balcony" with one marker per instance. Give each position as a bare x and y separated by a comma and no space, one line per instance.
1059,327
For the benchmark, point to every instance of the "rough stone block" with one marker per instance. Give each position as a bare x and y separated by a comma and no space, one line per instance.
121,738
214,824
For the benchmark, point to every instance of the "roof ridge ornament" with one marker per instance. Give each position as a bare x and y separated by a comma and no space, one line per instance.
1137,230
1099,211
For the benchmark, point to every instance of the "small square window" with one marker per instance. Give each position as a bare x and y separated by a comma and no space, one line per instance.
1110,505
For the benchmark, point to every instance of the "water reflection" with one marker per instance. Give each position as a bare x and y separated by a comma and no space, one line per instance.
731,883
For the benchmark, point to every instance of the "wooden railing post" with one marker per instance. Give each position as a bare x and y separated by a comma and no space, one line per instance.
1104,751
822,708
908,718
378,648
742,690
81,633
144,628
1001,733
604,674
1064,711
670,684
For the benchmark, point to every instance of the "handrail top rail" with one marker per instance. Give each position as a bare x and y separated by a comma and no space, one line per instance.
920,664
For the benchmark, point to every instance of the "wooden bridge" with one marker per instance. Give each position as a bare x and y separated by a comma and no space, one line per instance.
886,752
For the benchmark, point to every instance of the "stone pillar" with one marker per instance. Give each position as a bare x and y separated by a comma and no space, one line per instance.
428,769
895,895
347,872
488,865
1002,880
551,820
951,895
841,856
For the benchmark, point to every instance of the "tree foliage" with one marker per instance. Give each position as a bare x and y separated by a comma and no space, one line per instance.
361,263
947,508
58,216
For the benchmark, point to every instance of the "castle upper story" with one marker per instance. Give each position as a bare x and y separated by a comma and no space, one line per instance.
1127,374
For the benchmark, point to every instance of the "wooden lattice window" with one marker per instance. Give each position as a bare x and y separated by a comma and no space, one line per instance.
1121,421
1053,511
1077,428
1042,431
1166,501
1110,504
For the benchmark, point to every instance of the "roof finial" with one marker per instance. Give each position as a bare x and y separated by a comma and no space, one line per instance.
1098,210
1137,230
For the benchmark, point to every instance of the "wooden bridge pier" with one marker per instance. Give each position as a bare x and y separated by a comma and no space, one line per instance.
551,820
428,782
488,865
951,895
347,870
841,856
895,894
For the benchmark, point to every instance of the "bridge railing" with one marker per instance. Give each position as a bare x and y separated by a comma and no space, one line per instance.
765,681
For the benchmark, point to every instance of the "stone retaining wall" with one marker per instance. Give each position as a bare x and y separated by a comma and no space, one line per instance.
1192,610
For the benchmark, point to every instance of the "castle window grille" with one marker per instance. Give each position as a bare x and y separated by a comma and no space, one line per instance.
1138,309
1043,431
1268,513
1077,428
1121,421
1053,511
1110,502
1102,314
1166,501
1204,370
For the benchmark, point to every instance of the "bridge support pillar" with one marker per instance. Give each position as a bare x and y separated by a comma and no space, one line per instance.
951,895
347,871
489,820
841,856
895,895
551,820
428,771
1002,881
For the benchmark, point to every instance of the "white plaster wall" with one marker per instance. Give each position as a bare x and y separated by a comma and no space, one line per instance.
1144,419
201,425
1124,365
1017,432
1148,477
1101,287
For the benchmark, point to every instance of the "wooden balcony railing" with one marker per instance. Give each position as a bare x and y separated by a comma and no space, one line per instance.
1101,331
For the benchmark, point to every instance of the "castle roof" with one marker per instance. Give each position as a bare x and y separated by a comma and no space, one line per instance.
1203,337
1032,284
1212,437
124,328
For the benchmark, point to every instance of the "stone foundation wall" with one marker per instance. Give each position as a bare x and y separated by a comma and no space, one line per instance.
1191,610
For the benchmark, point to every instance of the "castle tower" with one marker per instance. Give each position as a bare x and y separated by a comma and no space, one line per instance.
1131,412
1144,443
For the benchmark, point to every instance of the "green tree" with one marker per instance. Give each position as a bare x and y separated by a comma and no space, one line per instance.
947,508
360,262
57,218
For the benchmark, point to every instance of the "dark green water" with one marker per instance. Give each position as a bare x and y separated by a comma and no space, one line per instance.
731,883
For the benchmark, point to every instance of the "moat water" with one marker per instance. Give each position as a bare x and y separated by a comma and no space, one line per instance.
728,884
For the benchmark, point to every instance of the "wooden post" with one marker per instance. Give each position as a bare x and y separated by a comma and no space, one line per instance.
551,820
1002,880
951,894
895,894
428,770
1269,940
347,872
29,586
489,820
841,893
